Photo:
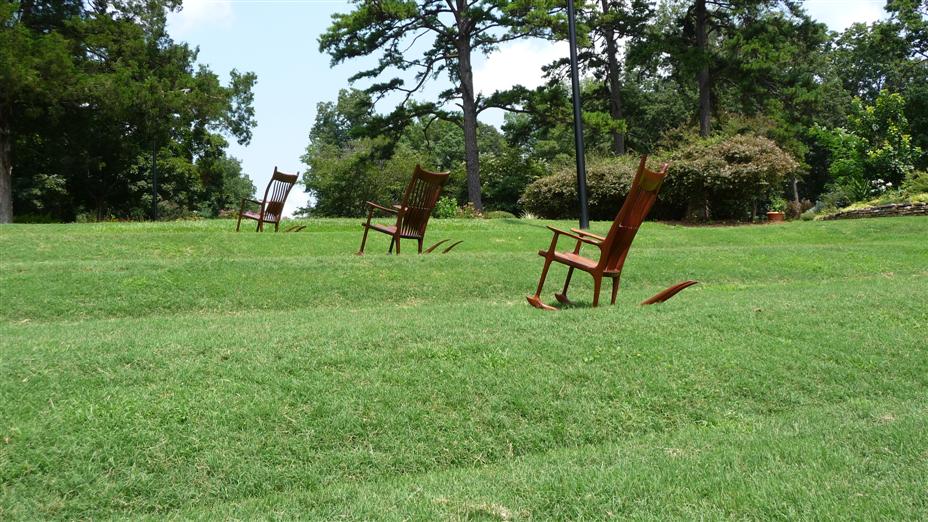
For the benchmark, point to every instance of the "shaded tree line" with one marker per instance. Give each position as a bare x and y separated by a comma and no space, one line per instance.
95,98
659,77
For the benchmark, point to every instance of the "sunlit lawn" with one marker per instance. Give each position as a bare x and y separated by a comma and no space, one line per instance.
183,370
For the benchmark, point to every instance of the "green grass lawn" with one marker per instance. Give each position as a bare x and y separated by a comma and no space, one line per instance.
181,370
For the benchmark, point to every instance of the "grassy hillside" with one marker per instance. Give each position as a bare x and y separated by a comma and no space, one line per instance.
184,370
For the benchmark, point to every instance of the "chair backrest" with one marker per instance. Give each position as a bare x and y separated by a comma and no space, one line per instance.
638,203
420,198
276,194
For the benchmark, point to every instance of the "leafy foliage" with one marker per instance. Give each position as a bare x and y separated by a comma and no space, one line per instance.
116,97
347,168
875,147
608,181
448,33
717,178
445,208
727,177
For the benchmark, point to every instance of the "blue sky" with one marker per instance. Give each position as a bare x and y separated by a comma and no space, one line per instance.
277,39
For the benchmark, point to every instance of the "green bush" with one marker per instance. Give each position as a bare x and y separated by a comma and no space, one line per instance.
778,205
608,181
874,153
715,178
723,178
445,208
504,177
916,182
837,196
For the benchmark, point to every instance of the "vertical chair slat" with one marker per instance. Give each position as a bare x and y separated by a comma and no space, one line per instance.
418,201
275,196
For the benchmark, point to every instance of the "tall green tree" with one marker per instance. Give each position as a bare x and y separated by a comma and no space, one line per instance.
890,54
347,166
35,72
117,96
695,38
428,39
605,27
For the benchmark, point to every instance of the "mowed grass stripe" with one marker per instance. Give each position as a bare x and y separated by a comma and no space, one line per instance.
144,285
339,237
150,416
309,258
812,463
782,385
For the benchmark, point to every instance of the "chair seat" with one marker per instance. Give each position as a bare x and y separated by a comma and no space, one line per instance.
268,217
575,260
391,230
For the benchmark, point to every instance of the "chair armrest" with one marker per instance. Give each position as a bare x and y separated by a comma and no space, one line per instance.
584,233
255,201
559,232
385,209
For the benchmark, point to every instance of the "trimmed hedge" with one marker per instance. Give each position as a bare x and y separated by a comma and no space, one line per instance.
607,182
724,178
714,178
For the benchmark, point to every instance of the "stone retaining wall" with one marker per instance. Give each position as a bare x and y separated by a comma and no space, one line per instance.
897,209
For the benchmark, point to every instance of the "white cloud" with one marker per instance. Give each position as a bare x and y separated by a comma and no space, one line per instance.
838,15
198,13
517,63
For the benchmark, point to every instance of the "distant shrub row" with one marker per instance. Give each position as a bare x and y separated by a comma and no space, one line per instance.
717,178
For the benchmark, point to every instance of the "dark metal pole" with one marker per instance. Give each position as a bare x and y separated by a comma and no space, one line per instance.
154,182
578,117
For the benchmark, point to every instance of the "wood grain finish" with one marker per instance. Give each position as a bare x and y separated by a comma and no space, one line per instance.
272,206
613,247
412,215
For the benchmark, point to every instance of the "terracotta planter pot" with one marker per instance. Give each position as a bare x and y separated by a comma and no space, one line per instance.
776,216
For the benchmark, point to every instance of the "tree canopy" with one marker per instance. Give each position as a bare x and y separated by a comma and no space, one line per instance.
429,39
96,94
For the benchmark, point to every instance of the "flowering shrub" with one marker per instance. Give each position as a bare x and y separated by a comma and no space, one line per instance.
874,153
726,177
708,178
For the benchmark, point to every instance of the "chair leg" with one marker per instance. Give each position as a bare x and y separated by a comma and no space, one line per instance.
615,289
420,245
562,297
260,226
397,239
535,300
597,285
239,224
363,240
392,242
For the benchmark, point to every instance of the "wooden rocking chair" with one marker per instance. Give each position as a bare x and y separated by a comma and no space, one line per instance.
412,215
613,249
272,206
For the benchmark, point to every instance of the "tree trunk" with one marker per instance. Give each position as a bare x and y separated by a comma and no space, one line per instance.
615,96
702,78
469,105
6,170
